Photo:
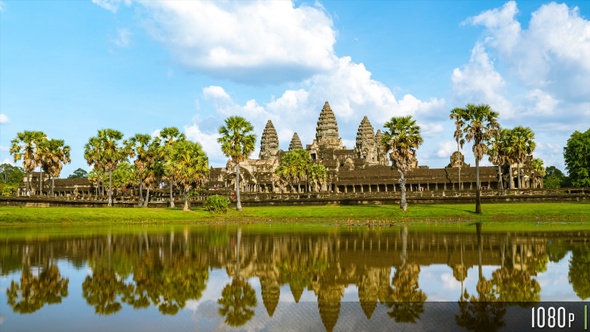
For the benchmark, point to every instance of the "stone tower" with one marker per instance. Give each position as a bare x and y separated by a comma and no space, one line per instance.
295,143
327,130
269,143
366,147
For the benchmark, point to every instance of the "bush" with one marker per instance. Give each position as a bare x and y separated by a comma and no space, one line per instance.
216,204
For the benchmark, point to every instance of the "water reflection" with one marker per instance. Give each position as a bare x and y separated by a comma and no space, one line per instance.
143,269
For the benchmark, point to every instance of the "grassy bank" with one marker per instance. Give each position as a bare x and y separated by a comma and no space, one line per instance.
355,215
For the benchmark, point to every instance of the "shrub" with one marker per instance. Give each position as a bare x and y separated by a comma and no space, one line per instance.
216,204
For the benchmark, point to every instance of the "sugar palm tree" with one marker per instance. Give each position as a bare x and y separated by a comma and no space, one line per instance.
188,164
457,115
169,137
92,154
138,149
522,141
104,152
26,147
237,142
498,154
401,139
155,157
294,167
479,125
55,154
317,176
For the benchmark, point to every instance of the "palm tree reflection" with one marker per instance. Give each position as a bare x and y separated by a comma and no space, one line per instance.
237,298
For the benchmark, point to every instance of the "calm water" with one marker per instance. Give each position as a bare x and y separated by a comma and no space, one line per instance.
278,279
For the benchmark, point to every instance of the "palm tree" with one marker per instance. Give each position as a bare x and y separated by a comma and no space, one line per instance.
317,176
522,141
457,115
155,156
187,164
479,125
26,147
92,154
402,138
294,167
237,142
170,136
498,154
138,147
103,151
55,154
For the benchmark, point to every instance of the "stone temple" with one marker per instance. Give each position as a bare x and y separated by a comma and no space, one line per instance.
365,168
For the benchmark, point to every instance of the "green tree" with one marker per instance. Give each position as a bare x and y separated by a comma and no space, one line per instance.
169,137
317,176
457,115
10,179
577,158
78,174
579,273
294,167
54,155
554,177
522,140
124,175
401,139
479,125
188,164
237,142
26,147
498,153
138,148
104,152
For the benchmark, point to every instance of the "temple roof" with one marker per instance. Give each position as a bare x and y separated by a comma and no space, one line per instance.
365,135
269,143
327,129
295,143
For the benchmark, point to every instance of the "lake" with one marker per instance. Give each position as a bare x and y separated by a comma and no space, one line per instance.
308,277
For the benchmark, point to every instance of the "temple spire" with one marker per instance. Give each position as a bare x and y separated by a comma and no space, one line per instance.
269,142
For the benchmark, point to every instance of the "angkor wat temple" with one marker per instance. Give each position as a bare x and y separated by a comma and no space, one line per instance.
362,169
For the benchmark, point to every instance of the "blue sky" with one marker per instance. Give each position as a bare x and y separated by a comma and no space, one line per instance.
69,68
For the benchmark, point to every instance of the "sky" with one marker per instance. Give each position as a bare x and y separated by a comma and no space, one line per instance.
70,68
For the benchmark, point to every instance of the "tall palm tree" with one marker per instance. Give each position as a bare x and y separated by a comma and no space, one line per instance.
479,125
189,165
401,139
138,148
237,142
522,141
26,147
169,137
317,176
498,154
92,154
55,155
155,157
104,152
457,115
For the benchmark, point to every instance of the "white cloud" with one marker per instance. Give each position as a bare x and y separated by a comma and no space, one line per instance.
479,82
215,93
123,38
156,133
111,5
446,148
209,142
257,42
4,118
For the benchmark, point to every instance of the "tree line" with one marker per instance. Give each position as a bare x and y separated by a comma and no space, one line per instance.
146,162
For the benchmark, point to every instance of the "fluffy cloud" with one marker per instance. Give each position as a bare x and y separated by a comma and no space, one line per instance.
446,148
4,118
257,42
539,76
479,82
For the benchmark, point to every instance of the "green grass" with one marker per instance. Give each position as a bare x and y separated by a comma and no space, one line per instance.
574,213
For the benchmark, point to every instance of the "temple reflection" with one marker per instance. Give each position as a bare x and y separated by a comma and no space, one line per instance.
168,269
